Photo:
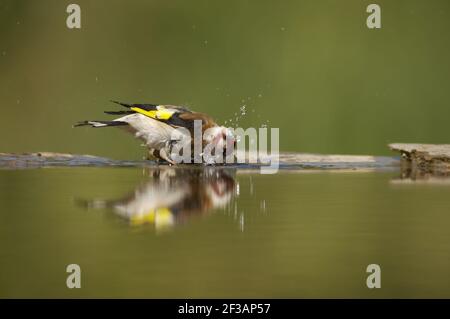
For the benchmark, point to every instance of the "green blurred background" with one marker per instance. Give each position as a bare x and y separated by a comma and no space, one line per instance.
312,68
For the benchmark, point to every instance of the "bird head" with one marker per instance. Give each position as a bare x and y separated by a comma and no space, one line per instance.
221,137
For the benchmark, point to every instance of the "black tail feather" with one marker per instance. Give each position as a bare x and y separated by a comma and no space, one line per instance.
81,123
97,124
119,112
123,104
147,107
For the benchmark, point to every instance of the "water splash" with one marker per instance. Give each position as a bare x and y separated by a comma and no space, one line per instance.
245,112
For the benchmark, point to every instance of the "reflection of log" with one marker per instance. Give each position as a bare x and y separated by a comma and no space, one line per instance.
287,161
424,159
421,179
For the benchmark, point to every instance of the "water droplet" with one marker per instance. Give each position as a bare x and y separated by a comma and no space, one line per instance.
242,109
241,222
263,205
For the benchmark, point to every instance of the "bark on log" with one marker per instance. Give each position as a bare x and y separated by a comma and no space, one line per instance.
422,159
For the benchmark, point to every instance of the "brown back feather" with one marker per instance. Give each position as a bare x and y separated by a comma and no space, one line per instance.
207,121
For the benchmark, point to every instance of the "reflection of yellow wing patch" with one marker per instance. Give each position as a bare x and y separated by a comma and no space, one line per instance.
161,217
143,219
159,114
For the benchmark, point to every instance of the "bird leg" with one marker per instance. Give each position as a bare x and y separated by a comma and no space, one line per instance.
163,155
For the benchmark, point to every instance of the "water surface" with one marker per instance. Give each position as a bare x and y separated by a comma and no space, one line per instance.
221,233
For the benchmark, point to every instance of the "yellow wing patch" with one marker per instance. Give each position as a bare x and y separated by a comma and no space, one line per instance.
160,113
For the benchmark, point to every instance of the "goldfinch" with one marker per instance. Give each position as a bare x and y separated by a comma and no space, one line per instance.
157,126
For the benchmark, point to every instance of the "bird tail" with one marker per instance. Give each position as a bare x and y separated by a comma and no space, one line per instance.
98,124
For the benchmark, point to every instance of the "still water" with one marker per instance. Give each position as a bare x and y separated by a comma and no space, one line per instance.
221,233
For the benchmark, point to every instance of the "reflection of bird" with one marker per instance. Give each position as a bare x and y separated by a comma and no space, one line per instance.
172,196
156,125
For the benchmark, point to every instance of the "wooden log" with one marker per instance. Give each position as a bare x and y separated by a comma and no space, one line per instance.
424,158
286,161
